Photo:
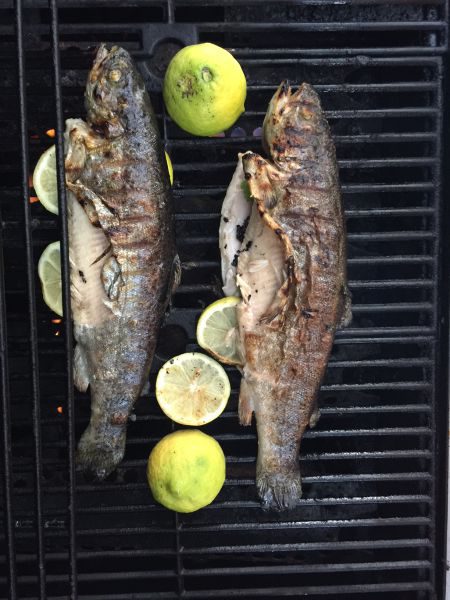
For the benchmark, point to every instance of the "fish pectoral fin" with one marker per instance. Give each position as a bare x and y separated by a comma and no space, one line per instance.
113,306
315,416
112,278
84,197
246,405
346,314
80,369
261,177
145,388
176,274
174,281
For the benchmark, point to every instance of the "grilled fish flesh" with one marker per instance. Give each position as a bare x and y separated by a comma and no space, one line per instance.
122,254
291,274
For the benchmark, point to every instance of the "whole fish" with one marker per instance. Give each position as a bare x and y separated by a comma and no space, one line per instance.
123,261
291,274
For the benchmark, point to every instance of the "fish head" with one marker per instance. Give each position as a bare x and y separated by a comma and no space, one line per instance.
293,125
110,86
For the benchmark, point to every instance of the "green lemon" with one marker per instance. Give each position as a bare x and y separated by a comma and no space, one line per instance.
186,470
204,89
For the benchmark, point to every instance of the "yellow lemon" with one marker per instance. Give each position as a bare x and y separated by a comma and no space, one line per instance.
186,470
204,89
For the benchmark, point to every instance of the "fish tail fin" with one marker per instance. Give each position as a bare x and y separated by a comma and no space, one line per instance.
100,450
279,491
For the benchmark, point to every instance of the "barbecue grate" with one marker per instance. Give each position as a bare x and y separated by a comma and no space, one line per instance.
371,522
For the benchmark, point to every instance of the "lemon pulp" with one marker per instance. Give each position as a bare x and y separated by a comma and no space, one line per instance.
192,389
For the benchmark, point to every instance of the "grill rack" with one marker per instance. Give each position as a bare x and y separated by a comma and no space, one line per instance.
192,554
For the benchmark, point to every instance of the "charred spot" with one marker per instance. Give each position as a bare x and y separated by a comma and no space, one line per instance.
278,231
277,147
248,298
241,229
108,154
226,246
83,278
284,88
308,314
248,246
119,419
226,219
247,175
234,262
100,128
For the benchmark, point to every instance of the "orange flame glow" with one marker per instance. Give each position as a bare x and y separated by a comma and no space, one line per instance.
56,321
33,199
59,410
51,133
30,180
57,333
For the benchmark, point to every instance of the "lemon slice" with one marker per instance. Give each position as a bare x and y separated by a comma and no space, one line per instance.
44,180
192,389
169,167
217,330
49,270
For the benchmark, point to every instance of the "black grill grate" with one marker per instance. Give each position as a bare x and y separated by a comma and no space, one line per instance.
370,523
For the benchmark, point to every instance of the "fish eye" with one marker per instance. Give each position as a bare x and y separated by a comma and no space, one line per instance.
115,75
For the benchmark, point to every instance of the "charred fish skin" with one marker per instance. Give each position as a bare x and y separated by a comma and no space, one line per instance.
115,170
287,336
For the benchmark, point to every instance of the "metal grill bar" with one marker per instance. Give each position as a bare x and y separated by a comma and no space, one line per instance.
6,436
65,276
31,299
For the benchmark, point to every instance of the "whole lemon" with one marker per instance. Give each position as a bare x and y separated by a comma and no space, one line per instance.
186,470
204,89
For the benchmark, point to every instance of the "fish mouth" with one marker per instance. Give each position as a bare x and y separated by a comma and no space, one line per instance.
103,53
291,119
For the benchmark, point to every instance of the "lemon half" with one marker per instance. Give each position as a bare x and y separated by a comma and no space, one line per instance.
44,180
192,389
217,330
186,470
49,271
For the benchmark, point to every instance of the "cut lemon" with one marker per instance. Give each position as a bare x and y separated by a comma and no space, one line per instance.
217,330
192,389
44,180
49,270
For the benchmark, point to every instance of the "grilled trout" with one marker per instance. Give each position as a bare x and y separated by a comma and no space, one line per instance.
123,263
291,274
